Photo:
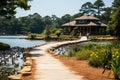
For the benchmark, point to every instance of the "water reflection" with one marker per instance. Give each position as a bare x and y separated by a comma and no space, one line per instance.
20,41
11,61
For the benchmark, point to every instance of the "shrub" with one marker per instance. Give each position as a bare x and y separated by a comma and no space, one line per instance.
32,36
95,60
111,60
71,53
47,31
73,50
115,67
83,54
107,57
4,46
89,46
58,32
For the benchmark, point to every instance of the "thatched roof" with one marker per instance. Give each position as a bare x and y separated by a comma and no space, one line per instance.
72,23
87,17
102,24
91,23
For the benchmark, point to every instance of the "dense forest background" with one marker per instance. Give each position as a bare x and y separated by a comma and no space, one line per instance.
35,23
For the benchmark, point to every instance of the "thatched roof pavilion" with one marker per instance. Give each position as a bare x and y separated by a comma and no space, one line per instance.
86,24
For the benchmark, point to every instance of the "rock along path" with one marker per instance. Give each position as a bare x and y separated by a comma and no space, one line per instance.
49,68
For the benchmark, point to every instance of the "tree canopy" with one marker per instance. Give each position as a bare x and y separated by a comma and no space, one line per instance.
114,24
8,7
92,9
116,3
99,6
87,8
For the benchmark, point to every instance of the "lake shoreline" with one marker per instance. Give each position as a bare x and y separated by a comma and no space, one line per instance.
78,66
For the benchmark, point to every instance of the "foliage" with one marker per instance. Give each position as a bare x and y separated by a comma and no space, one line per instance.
98,5
82,54
32,36
31,23
4,46
113,62
8,7
115,67
114,23
93,9
73,50
67,37
58,32
47,32
94,60
71,53
113,26
66,18
107,57
102,55
116,4
105,16
87,8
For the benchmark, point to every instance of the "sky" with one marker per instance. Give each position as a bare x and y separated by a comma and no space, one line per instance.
56,7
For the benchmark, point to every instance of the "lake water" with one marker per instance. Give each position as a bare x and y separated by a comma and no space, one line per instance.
9,59
20,41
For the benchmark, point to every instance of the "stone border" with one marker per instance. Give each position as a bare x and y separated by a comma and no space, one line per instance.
26,68
51,49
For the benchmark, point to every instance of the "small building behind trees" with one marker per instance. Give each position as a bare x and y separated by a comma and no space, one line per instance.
85,24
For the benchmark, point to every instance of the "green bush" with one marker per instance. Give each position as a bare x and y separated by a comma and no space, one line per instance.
115,67
95,61
71,53
73,50
4,46
33,36
83,54
47,31
88,46
58,32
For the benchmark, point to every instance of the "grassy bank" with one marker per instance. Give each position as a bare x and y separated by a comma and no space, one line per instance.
4,46
51,37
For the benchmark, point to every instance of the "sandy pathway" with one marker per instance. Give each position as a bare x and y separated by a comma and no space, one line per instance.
49,68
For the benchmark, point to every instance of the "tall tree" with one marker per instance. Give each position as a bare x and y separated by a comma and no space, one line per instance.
66,18
8,7
87,8
105,17
76,15
114,26
47,20
37,24
56,21
116,3
47,31
99,6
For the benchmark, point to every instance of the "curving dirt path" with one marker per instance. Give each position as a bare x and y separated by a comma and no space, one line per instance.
50,68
